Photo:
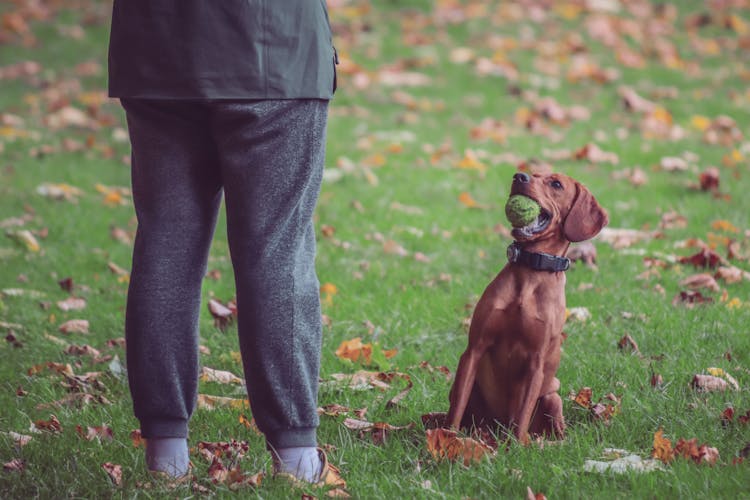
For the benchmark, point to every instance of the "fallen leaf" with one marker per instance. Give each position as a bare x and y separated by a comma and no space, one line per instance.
718,372
114,472
627,342
662,449
64,192
219,376
690,299
708,383
15,465
468,201
52,425
230,450
578,314
20,440
594,154
392,247
82,350
99,433
75,326
207,402
731,274
72,304
445,444
137,439
223,315
709,179
583,397
698,281
25,238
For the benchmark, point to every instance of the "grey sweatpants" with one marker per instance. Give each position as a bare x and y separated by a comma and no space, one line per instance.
267,159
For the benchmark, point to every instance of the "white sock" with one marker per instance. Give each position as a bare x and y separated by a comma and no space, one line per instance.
302,462
168,455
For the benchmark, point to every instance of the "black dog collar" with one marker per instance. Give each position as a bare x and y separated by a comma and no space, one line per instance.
537,261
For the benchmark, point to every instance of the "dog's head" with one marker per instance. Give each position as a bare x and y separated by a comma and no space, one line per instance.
568,210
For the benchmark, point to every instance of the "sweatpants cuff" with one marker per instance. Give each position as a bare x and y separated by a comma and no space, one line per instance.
292,438
164,428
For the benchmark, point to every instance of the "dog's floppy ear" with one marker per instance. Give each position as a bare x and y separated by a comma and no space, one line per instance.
586,217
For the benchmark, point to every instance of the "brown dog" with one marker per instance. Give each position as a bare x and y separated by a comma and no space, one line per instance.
506,375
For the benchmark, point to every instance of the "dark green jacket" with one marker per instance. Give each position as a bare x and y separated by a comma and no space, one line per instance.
221,49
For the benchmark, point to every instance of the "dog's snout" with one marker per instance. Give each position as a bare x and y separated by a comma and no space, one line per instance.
522,177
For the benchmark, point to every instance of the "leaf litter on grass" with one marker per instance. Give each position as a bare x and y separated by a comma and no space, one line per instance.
539,53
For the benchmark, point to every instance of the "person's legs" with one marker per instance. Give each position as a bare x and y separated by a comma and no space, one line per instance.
272,155
176,184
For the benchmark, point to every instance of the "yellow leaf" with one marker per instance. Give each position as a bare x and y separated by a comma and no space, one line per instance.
724,225
700,122
12,133
738,25
734,303
471,162
661,115
328,290
25,238
567,10
467,200
733,158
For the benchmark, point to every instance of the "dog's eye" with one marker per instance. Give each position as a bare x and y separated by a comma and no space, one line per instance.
556,184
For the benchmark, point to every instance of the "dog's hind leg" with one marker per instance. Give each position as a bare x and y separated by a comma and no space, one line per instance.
548,418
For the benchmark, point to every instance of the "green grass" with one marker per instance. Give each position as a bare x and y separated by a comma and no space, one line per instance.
416,307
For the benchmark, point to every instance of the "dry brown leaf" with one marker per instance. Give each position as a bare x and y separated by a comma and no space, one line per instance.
708,383
219,376
445,444
99,433
15,465
137,439
82,350
627,342
583,397
223,315
698,281
75,326
690,299
731,274
662,449
530,495
594,154
709,179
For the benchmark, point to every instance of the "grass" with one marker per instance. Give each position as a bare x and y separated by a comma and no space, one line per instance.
388,182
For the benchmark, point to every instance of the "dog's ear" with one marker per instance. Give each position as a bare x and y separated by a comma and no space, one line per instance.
586,217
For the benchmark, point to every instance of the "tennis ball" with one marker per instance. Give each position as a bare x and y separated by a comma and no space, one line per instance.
521,210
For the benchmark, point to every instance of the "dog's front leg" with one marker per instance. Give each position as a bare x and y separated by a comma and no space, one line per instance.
466,373
529,399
